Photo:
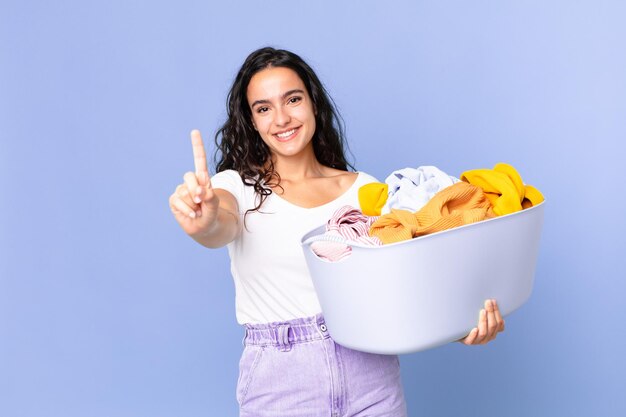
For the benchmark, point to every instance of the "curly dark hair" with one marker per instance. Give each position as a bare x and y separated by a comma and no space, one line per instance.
239,145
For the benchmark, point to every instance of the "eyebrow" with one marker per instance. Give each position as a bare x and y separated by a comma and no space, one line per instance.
283,96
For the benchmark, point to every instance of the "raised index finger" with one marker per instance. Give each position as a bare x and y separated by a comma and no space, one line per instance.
199,158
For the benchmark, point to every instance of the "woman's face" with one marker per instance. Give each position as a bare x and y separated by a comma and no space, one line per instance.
282,111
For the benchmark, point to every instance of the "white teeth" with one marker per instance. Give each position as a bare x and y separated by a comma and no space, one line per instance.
286,134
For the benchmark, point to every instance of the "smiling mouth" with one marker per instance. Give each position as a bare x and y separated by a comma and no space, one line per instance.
286,135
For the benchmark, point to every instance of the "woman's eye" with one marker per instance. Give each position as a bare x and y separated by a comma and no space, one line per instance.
295,99
261,109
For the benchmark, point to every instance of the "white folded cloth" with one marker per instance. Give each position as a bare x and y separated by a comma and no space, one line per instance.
411,188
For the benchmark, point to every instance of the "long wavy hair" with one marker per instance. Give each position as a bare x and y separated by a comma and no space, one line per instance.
239,145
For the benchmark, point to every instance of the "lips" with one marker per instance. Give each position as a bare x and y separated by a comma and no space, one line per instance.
286,135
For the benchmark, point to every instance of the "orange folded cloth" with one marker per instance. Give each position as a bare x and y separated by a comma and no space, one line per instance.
454,206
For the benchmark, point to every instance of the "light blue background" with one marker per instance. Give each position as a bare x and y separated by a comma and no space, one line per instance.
108,309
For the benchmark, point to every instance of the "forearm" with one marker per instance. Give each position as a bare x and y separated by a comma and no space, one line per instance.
223,231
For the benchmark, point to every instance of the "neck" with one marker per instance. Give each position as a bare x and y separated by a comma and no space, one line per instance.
298,167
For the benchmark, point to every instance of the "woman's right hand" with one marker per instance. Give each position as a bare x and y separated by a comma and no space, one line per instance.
194,202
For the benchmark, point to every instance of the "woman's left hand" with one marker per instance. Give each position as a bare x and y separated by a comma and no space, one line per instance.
490,323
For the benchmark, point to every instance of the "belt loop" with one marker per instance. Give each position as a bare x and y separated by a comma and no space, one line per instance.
283,338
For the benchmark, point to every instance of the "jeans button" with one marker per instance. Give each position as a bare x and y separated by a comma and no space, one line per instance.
323,327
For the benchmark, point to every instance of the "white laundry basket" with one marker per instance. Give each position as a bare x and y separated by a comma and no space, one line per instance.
417,294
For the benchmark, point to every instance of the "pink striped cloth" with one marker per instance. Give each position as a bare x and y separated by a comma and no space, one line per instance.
347,225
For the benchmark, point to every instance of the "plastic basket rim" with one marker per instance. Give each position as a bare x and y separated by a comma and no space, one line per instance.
431,235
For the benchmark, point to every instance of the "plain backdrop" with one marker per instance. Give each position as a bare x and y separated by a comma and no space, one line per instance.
107,309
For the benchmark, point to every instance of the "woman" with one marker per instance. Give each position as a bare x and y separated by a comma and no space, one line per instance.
281,172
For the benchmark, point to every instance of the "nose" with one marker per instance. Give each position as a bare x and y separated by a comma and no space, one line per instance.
282,117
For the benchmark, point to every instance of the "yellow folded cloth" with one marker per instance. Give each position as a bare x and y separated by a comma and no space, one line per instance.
532,196
504,188
454,206
372,198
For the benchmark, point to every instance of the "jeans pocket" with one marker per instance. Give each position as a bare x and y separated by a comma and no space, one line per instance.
247,365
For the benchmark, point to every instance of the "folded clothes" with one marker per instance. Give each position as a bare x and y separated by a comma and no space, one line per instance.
504,188
454,206
411,188
419,201
347,225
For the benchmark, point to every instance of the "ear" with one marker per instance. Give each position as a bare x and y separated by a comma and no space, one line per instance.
254,125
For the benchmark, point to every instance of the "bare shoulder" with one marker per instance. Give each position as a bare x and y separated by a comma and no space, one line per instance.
340,180
343,179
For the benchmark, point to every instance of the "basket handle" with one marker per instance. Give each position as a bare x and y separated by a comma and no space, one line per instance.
336,239
327,238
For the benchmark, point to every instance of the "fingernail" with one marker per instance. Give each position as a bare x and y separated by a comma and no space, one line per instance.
199,213
197,199
192,214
